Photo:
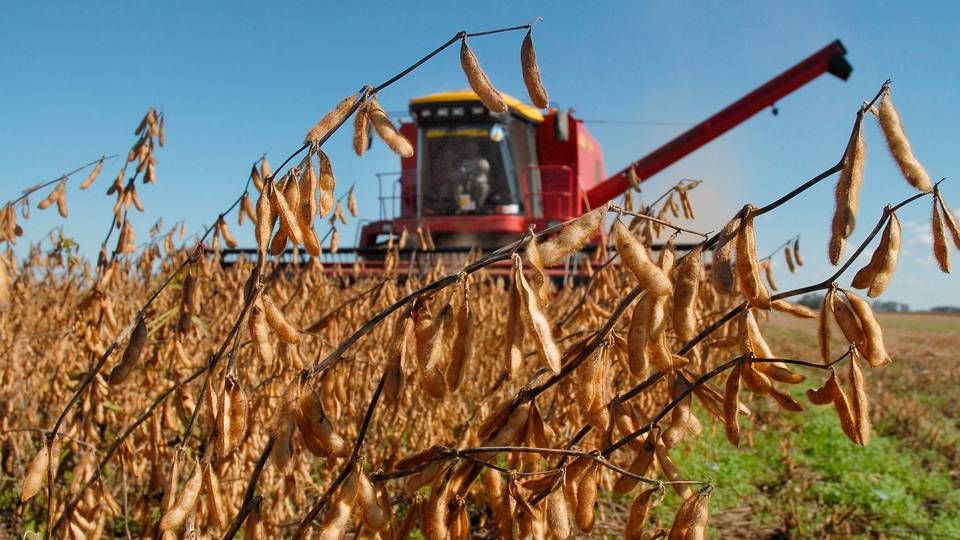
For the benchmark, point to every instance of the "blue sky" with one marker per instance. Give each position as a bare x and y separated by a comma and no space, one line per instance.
242,78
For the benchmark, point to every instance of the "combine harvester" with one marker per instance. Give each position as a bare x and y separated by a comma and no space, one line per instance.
479,180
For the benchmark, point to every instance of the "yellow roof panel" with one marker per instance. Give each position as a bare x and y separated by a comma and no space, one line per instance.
523,109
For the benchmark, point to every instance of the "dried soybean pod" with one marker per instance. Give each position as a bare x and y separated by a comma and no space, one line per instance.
682,419
860,402
693,523
874,351
796,310
61,199
233,416
437,509
685,293
134,197
731,406
310,438
844,411
573,236
361,129
307,200
747,267
768,271
352,202
374,514
848,322
281,453
177,514
434,348
789,258
338,214
949,219
393,385
5,283
558,515
265,217
571,477
246,208
899,145
460,521
531,72
670,470
877,273
311,242
279,324
331,120
338,517
683,519
288,219
49,200
225,444
227,235
796,252
315,423
668,255
940,248
722,275
639,512
637,338
387,131
266,172
513,428
864,277
256,178
479,81
641,463
624,420
651,277
260,333
462,350
36,473
131,355
585,514
513,340
824,394
888,264
93,175
427,239
422,329
536,322
847,192
219,512
327,183
757,382
784,400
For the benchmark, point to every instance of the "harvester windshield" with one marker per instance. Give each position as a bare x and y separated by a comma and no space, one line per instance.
467,169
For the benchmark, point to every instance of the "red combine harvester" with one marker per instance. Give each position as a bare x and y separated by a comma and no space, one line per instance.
480,180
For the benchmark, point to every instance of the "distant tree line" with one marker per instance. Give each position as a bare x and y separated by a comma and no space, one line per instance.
815,300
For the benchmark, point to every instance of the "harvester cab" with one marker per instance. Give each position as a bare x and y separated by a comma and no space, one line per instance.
481,179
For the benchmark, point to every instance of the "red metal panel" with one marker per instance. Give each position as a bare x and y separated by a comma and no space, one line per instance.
408,178
591,171
716,125
551,153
